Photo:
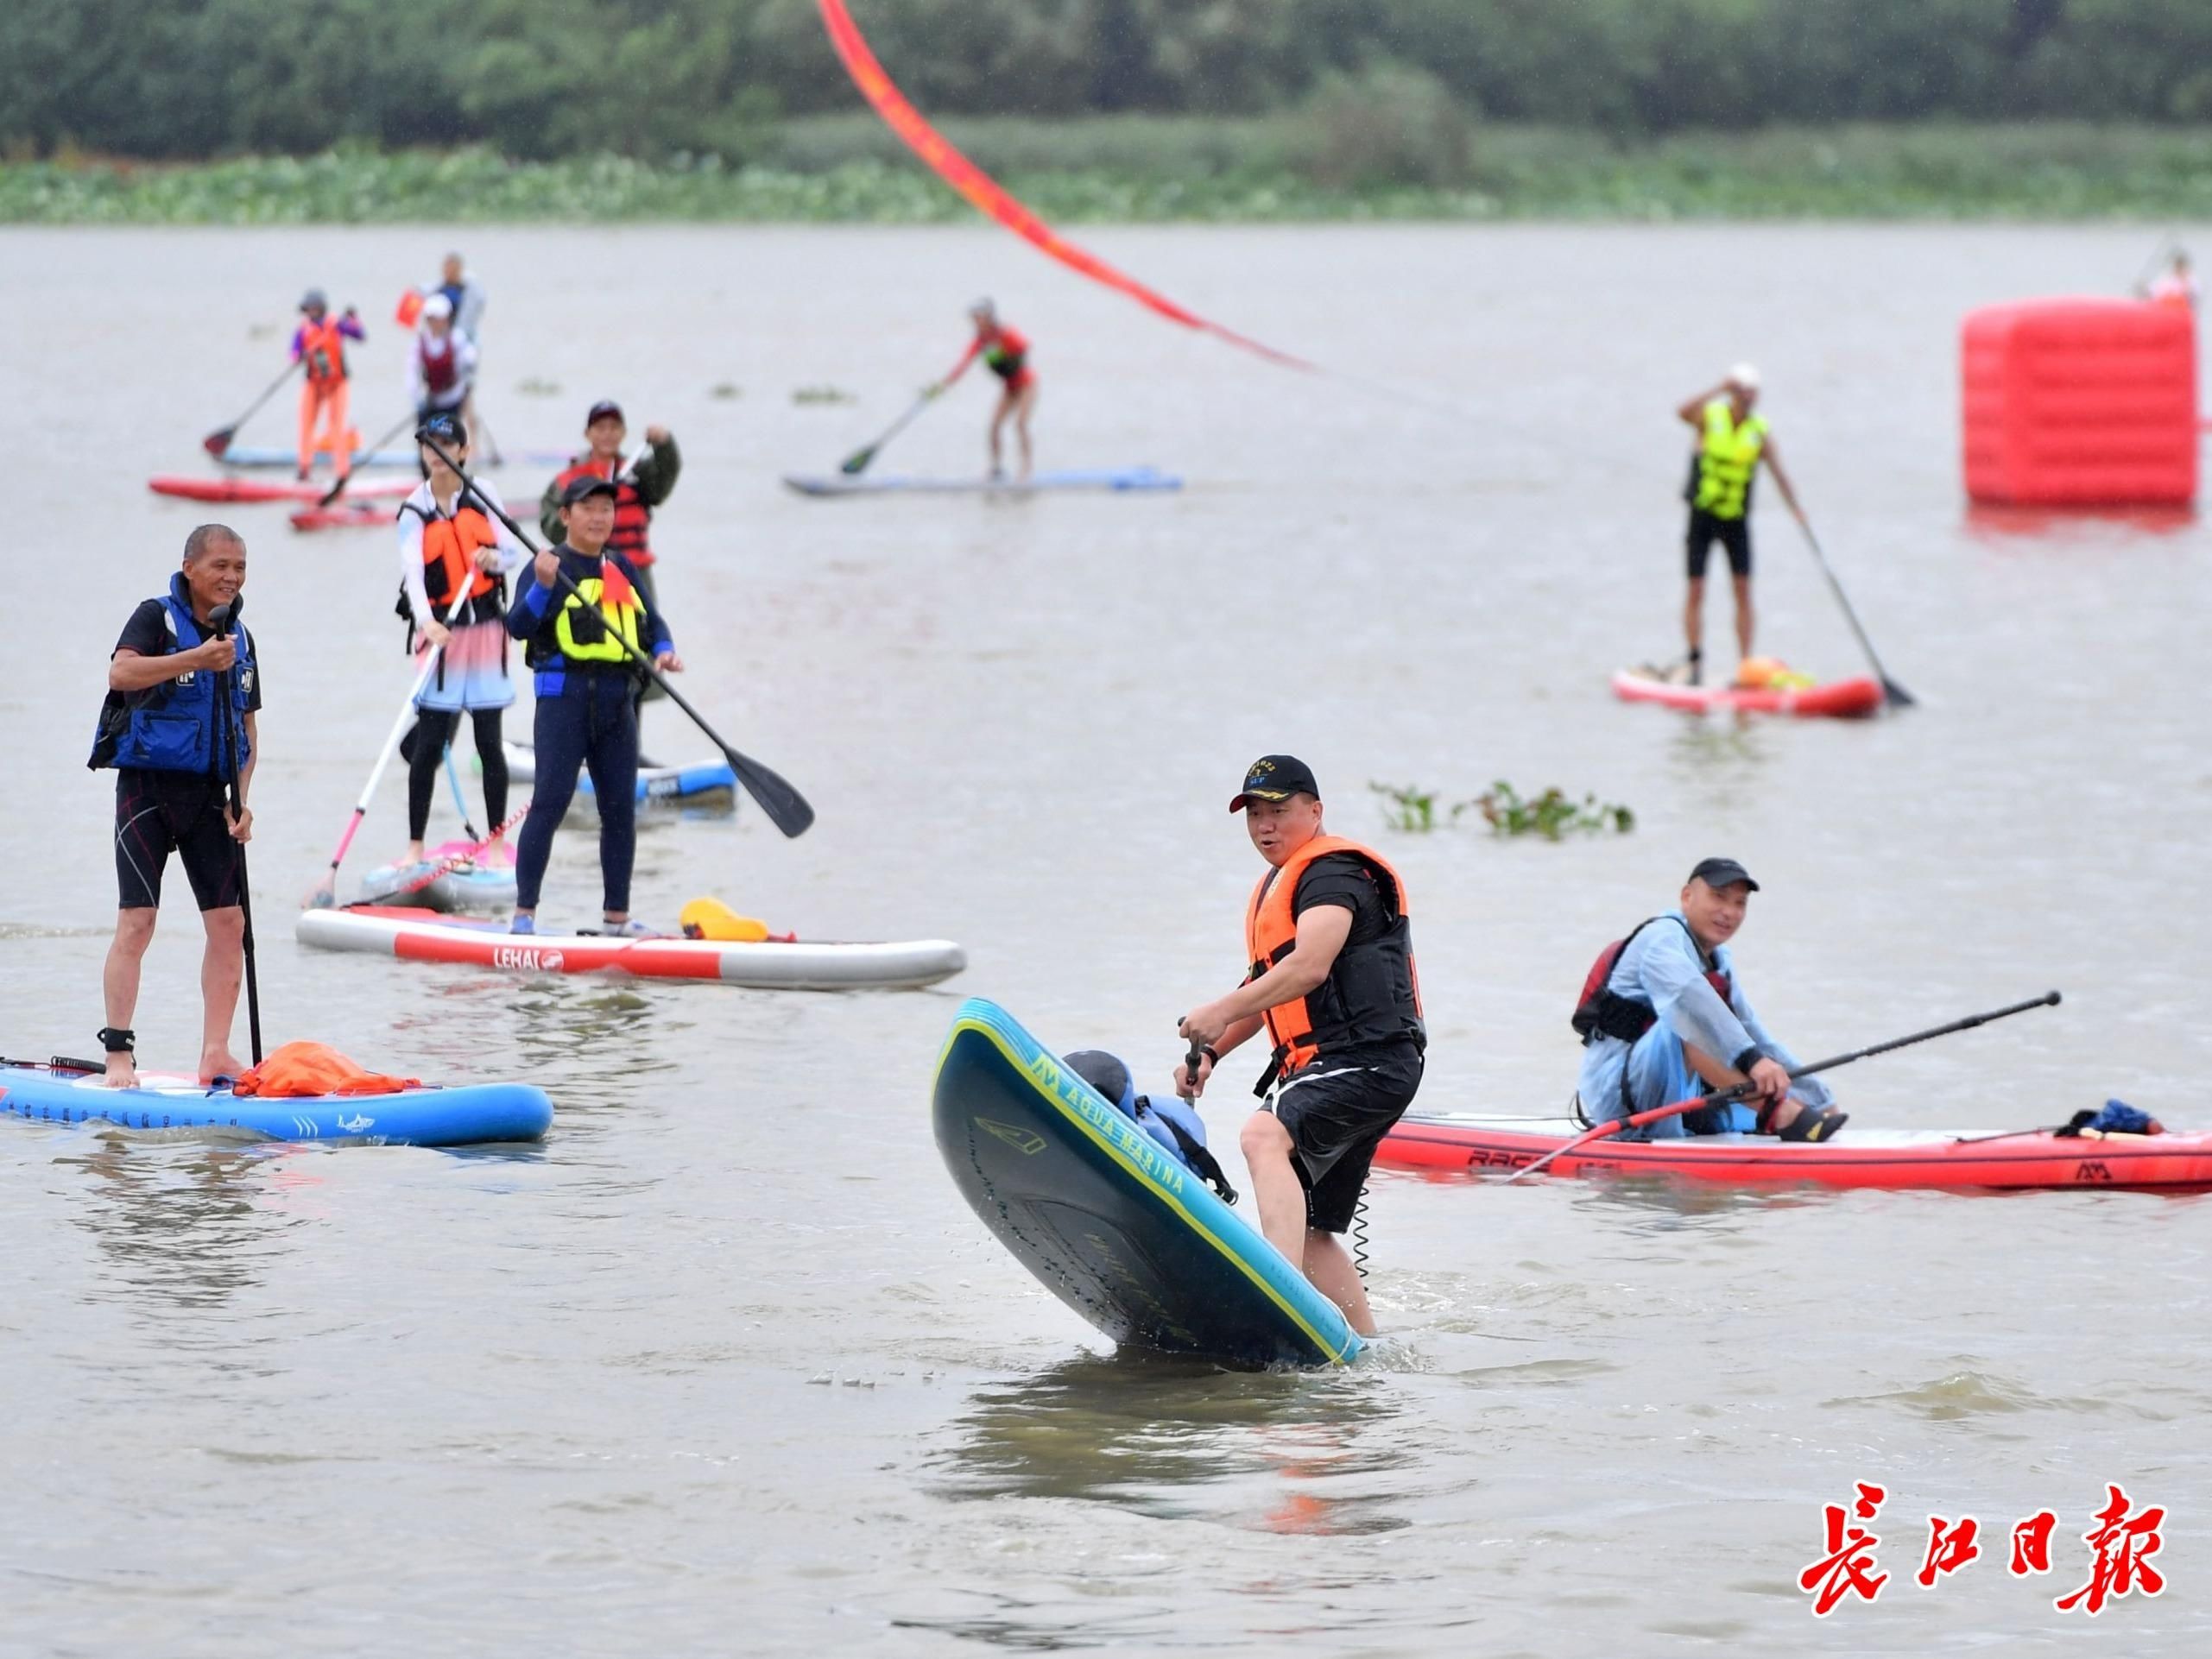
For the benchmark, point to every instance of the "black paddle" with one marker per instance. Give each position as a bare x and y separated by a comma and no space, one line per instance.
217,442
1890,689
1190,1070
857,463
786,807
346,477
1743,1091
219,620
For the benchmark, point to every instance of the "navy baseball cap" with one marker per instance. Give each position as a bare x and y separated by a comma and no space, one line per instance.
444,429
1275,778
589,484
1723,873
601,410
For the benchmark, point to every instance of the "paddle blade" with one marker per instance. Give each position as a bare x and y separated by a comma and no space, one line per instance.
1897,696
784,806
857,463
216,442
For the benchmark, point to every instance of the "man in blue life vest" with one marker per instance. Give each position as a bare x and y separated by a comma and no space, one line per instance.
1333,984
585,682
178,719
1732,443
1671,1022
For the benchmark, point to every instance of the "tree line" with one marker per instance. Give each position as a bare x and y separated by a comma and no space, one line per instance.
195,78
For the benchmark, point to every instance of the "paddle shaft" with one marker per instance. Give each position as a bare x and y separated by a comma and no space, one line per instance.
857,462
1891,690
346,476
1742,1091
784,806
391,744
219,440
227,735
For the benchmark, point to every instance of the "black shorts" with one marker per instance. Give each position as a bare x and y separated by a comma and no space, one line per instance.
1338,1112
157,813
1734,535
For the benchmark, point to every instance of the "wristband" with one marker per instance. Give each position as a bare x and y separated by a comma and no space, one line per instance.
1750,1057
1213,1056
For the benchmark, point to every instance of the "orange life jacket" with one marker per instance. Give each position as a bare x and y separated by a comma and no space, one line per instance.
632,515
449,549
1372,993
322,348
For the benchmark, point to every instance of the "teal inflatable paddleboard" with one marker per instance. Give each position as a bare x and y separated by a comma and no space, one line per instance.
1106,1219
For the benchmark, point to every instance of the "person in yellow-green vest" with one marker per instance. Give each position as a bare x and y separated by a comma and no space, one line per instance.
1732,441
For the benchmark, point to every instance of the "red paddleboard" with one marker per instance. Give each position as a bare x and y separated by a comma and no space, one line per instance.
340,518
1849,699
262,489
2034,1160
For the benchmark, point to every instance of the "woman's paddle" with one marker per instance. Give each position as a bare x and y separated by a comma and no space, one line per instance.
447,865
857,463
324,894
786,807
1890,689
346,477
1743,1091
219,620
219,440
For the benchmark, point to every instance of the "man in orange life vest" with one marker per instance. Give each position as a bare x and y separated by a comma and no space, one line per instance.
1332,983
642,483
320,343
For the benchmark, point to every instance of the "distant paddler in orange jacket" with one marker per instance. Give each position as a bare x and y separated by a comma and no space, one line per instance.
320,344
1006,352
1332,983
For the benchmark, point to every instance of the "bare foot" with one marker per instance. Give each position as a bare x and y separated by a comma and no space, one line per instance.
220,1063
123,1072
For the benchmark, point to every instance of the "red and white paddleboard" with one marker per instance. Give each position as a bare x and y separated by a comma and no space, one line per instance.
414,935
267,490
1849,699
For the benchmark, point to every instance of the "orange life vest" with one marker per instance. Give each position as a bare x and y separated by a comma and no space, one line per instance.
322,348
449,550
632,516
1372,993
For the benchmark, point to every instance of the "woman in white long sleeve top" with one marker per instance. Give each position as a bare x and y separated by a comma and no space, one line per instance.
450,546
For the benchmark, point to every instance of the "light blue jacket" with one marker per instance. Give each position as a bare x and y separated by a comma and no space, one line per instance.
1661,967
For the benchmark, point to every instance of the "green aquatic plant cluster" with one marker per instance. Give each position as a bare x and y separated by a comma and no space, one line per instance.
1551,815
1145,169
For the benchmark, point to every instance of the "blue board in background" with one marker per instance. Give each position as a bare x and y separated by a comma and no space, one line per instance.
1115,479
470,1114
1106,1220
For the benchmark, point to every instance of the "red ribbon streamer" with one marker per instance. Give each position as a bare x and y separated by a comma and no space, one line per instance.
990,198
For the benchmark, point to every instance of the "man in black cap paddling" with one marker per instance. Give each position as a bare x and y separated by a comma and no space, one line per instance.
1332,983
1662,1018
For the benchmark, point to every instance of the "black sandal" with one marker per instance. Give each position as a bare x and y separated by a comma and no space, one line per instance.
1814,1123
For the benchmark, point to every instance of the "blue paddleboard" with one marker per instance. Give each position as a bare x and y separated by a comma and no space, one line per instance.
1121,479
263,455
414,1117
1106,1220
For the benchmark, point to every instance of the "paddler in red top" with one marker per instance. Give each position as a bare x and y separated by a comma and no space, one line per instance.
1332,983
1007,353
320,343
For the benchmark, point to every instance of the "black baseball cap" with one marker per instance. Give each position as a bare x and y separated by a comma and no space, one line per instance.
589,484
1723,873
601,410
1275,778
445,428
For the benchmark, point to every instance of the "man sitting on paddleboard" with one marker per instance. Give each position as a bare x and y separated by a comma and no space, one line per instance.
584,680
1732,443
1333,984
1007,354
1663,1019
181,701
